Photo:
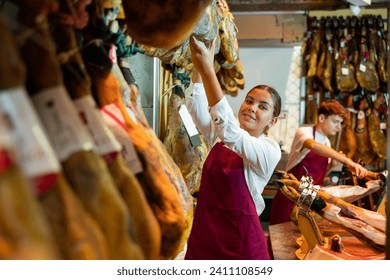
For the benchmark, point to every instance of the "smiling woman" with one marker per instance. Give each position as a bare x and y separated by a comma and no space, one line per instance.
262,105
239,165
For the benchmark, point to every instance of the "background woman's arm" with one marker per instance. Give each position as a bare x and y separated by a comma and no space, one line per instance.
328,152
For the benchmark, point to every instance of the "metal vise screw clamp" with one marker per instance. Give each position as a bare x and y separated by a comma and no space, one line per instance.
308,192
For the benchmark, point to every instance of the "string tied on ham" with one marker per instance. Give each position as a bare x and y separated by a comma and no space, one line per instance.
64,57
22,33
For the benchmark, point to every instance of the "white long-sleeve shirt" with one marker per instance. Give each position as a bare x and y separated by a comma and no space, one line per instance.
260,155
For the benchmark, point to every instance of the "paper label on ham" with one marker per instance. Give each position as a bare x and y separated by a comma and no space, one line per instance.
361,115
112,55
66,131
36,154
345,71
113,118
362,68
91,116
189,126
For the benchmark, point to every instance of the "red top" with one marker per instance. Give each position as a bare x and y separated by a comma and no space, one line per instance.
226,225
316,166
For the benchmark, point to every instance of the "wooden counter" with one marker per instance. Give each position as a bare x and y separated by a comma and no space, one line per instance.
283,237
282,240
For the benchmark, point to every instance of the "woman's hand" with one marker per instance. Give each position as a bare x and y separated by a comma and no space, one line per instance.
202,56
203,59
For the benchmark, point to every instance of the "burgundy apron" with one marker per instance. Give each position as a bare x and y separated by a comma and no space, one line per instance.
226,225
316,166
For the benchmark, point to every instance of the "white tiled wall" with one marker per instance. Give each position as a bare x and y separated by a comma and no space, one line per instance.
284,130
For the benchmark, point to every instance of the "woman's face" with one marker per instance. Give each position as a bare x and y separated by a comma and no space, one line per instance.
256,112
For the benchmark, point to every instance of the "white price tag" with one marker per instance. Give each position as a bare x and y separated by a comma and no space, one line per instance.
189,126
344,71
102,136
113,118
67,133
361,115
36,155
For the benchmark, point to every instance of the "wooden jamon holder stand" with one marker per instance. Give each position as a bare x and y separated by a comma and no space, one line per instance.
305,220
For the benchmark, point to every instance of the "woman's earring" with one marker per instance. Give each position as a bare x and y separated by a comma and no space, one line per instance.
266,128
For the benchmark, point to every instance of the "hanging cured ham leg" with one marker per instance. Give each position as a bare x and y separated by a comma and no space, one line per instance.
24,231
227,33
366,74
345,71
348,143
177,142
163,24
376,136
170,167
161,194
364,151
76,234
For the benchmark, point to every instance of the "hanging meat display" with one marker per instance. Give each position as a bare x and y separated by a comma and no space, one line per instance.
76,234
86,172
160,178
91,204
358,78
90,201
78,85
